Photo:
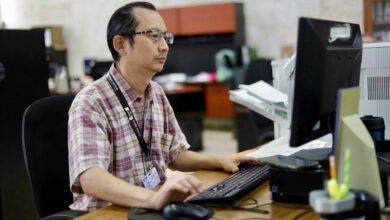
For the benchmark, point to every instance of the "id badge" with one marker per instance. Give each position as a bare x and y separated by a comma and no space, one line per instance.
152,179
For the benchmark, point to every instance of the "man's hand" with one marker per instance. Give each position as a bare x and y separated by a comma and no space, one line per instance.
176,189
230,164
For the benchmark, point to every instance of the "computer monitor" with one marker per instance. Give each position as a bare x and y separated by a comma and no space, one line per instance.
329,55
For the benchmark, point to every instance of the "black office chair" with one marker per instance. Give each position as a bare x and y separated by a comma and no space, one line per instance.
45,151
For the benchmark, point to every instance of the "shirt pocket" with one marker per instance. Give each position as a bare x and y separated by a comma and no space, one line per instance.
166,143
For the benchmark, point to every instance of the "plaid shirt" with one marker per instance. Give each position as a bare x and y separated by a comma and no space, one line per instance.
100,135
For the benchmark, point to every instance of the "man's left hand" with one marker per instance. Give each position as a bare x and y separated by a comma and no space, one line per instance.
230,164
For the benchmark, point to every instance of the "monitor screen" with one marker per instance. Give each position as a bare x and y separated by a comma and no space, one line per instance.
329,55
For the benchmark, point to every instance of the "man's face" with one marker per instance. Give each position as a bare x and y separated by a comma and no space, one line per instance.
147,53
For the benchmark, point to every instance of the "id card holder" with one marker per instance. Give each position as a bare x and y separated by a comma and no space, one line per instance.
152,179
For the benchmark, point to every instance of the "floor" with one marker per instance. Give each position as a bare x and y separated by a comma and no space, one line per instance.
215,142
218,143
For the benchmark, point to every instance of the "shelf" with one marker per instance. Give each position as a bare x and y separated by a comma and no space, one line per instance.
374,1
369,12
385,23
222,18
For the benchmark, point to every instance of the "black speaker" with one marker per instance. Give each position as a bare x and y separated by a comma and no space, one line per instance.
23,79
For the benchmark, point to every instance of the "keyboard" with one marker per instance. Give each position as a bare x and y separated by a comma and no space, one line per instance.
234,187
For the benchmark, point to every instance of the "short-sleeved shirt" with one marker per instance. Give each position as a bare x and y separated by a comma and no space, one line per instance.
100,135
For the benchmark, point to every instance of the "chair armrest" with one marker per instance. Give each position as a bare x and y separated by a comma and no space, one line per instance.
67,214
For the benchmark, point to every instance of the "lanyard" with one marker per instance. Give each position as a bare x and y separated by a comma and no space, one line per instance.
129,114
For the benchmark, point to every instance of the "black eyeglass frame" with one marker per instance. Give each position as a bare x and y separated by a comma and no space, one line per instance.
168,39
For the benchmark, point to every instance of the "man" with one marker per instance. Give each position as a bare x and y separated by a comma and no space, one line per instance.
122,130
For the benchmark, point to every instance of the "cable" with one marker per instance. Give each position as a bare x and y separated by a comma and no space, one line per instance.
241,207
264,204
251,218
236,207
383,159
251,198
254,218
302,214
294,206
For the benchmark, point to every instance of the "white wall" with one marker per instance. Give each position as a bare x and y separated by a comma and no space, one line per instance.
269,23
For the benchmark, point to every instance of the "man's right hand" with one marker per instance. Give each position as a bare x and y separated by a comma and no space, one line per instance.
176,189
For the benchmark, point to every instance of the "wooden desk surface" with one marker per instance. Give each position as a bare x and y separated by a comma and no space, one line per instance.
208,178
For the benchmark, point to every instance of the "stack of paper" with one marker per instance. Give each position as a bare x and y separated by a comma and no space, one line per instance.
263,99
281,146
265,92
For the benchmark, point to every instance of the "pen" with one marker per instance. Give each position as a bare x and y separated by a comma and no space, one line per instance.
332,168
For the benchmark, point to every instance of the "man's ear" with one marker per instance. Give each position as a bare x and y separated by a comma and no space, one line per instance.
119,44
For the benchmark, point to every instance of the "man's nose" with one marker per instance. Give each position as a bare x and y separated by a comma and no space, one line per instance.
164,46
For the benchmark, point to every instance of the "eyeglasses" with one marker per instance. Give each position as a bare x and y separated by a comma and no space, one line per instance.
156,35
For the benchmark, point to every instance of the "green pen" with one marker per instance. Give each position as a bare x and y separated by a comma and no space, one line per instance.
347,174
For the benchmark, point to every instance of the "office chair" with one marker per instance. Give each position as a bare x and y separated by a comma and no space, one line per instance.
45,152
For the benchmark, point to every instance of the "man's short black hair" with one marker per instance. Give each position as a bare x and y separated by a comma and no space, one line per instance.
123,22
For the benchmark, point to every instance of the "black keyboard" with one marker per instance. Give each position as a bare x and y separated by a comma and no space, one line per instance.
234,187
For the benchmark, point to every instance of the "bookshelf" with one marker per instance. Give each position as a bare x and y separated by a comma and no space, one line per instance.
377,19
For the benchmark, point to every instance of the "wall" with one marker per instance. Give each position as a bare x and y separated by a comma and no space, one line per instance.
269,23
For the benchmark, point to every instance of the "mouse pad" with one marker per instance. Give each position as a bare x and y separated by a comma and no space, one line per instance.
145,214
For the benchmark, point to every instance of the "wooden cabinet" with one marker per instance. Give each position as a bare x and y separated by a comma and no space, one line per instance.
203,19
171,18
377,19
218,104
208,19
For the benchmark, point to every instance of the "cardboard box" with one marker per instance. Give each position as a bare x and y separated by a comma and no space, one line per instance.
287,51
53,37
57,38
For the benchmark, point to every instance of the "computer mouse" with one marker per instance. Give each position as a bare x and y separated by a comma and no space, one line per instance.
184,211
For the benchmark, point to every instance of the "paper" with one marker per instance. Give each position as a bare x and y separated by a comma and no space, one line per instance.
266,92
275,114
281,147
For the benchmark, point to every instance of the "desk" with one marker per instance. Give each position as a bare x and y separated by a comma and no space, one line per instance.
183,89
210,98
208,178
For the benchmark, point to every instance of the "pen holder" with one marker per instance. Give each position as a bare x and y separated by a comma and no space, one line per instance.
330,208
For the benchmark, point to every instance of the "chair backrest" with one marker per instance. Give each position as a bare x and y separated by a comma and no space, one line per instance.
45,151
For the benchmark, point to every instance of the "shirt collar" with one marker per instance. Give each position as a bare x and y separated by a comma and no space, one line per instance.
127,90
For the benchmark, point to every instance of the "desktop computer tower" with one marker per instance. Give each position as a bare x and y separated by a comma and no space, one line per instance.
23,79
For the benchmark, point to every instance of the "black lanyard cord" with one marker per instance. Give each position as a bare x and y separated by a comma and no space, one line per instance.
129,114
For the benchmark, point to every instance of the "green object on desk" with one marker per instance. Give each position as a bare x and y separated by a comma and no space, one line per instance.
340,191
332,188
347,172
